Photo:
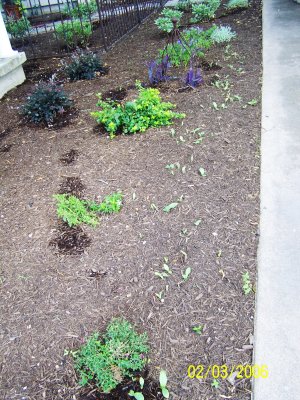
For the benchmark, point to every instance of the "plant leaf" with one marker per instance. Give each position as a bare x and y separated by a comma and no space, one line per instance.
165,392
202,171
142,382
170,207
163,379
186,273
197,222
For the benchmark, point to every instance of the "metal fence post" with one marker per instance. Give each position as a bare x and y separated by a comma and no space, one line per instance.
136,2
101,25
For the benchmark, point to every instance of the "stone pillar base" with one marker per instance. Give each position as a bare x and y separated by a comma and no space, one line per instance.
11,72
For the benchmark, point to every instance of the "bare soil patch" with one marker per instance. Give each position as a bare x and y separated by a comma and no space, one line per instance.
49,300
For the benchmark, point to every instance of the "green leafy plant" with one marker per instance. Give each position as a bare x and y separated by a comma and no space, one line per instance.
222,34
83,66
136,395
234,4
75,211
252,102
170,207
164,23
18,28
247,285
186,273
135,116
47,101
205,10
81,10
215,384
163,380
197,329
74,33
106,360
202,171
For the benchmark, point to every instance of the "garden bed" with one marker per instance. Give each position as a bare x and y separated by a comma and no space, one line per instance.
51,301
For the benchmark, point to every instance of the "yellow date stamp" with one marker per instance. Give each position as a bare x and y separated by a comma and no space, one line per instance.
224,371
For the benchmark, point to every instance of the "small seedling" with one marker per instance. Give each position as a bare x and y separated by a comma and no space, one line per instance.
141,382
247,285
215,384
197,329
160,296
202,171
136,395
153,207
184,254
186,274
167,269
172,132
252,102
215,106
163,380
197,222
219,253
170,207
161,275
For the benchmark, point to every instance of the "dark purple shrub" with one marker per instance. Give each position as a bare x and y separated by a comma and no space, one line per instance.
157,71
193,77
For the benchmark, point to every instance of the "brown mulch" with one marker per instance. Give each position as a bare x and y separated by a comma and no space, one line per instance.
50,301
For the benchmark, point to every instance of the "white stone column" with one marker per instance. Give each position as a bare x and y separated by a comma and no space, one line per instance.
5,46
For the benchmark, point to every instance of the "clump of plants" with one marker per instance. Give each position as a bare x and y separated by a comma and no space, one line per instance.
165,23
81,10
222,34
235,4
193,77
106,360
47,101
195,41
74,33
17,28
205,10
75,211
84,65
158,71
148,110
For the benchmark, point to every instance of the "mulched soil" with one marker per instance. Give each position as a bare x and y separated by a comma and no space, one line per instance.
69,157
51,301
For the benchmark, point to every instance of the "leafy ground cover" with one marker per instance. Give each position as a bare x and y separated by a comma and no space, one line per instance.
178,261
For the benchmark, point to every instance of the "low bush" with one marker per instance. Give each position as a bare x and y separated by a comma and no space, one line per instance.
196,42
235,4
222,34
75,211
106,361
47,101
83,66
75,33
135,116
18,28
81,10
205,11
165,23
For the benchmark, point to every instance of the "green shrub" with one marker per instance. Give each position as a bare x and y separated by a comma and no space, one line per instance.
234,4
75,211
83,66
222,34
75,33
198,41
17,28
165,23
46,102
205,10
106,361
81,10
135,116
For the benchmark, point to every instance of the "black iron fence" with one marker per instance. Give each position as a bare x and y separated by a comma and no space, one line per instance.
44,28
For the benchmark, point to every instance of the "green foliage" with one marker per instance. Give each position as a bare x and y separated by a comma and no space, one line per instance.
198,41
186,273
111,204
135,116
136,395
170,207
81,10
75,211
83,66
163,380
108,360
222,34
247,285
205,10
17,28
198,329
43,105
164,23
234,4
75,33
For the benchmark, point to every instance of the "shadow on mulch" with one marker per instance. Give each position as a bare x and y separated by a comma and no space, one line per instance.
209,66
69,157
5,148
5,133
115,94
70,240
151,390
72,185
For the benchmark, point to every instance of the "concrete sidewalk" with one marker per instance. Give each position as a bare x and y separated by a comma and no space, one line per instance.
277,332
